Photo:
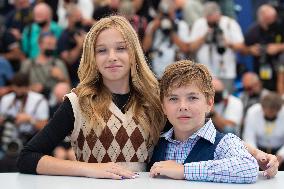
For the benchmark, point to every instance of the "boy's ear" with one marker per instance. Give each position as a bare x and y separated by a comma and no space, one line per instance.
210,104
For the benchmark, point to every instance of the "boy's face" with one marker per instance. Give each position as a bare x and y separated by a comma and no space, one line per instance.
185,107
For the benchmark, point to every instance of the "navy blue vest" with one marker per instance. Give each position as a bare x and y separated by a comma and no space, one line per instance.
203,150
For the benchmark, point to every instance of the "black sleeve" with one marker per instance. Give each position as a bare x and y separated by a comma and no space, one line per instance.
252,35
61,125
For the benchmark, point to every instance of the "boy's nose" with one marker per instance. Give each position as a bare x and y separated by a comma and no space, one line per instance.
183,106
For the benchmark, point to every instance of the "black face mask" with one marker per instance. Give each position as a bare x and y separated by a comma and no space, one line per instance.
78,25
21,96
270,119
254,95
218,97
272,27
42,23
212,24
49,52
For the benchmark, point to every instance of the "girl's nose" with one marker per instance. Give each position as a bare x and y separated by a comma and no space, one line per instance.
112,55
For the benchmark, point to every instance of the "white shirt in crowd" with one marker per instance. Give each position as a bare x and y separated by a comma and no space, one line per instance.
256,133
36,106
232,34
232,110
164,51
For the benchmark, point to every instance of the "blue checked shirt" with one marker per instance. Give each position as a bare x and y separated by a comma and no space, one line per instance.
232,163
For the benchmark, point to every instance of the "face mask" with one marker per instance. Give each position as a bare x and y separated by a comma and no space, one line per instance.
254,95
49,52
78,25
271,119
212,24
42,23
218,97
20,96
272,27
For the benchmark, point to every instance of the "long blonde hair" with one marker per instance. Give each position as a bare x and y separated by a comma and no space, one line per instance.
95,98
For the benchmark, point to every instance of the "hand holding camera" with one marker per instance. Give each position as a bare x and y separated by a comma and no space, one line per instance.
215,36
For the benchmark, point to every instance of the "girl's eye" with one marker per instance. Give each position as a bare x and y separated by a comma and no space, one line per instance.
121,48
101,50
172,99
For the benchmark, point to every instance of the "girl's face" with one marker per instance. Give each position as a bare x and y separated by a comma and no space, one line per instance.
112,56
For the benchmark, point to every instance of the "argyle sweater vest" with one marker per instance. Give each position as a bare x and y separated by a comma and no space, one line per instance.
203,150
121,140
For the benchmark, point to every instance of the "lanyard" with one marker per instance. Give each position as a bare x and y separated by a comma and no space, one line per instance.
268,130
269,127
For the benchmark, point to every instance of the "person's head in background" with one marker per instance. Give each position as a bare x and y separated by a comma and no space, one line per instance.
220,91
266,16
113,62
22,4
166,9
61,89
20,85
74,15
187,96
42,15
271,104
251,84
47,44
212,13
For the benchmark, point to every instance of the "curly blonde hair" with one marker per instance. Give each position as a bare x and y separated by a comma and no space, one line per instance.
95,98
186,72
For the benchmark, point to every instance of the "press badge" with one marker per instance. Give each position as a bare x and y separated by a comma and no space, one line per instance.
265,72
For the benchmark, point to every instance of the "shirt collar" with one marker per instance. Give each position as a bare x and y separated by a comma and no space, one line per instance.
208,132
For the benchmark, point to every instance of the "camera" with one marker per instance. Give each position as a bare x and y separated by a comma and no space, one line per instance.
263,55
167,24
10,140
216,37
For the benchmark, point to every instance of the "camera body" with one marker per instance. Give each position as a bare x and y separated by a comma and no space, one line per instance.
167,24
216,37
263,55
10,138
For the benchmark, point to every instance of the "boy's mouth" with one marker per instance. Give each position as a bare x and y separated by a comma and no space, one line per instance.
183,117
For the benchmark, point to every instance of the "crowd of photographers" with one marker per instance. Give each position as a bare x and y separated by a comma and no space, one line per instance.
41,44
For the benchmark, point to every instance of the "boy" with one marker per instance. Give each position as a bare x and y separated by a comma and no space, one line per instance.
193,149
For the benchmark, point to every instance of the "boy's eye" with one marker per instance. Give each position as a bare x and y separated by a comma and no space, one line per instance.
191,98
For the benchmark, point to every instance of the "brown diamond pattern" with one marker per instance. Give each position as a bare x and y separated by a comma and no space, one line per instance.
136,138
106,137
120,158
92,159
91,139
121,137
106,158
81,139
134,158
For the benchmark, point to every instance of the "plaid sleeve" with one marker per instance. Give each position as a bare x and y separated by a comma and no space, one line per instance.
232,164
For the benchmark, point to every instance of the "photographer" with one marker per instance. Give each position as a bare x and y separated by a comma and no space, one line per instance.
215,39
264,42
22,113
45,71
165,38
70,43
